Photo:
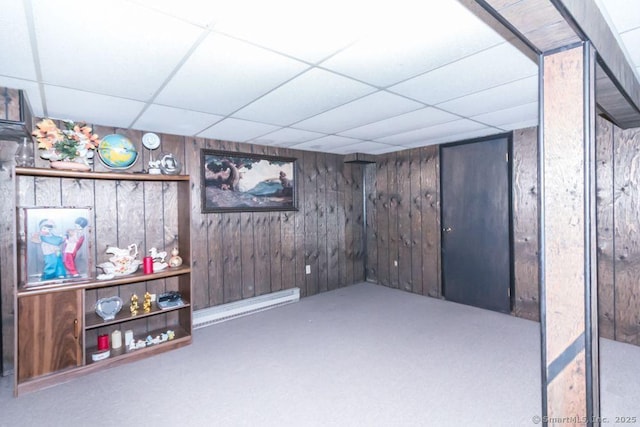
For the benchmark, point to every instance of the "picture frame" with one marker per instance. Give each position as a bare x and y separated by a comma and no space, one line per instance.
56,245
247,182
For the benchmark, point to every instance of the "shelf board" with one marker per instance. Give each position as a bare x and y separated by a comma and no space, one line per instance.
93,283
92,320
57,173
180,335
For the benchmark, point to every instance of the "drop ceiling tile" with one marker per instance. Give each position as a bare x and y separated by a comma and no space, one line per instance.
309,31
369,147
371,108
31,90
492,67
320,90
175,121
624,14
16,59
286,137
64,103
326,143
403,123
197,12
113,48
504,119
631,40
457,137
497,98
224,74
237,130
427,134
415,43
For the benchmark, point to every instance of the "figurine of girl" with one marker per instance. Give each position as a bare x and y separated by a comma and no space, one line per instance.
50,244
75,238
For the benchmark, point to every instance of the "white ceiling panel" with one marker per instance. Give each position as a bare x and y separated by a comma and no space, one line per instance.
237,130
88,107
378,106
489,68
418,119
225,74
427,134
175,120
113,48
632,38
321,89
398,51
16,57
505,119
623,14
497,98
369,147
286,137
327,143
338,76
455,137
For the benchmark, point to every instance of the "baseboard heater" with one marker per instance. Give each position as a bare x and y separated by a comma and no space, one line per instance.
220,313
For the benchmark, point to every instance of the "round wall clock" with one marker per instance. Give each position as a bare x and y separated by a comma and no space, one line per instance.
151,141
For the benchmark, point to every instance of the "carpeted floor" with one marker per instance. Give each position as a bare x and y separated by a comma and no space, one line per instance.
364,355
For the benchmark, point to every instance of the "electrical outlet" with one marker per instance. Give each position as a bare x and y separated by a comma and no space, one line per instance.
395,262
307,269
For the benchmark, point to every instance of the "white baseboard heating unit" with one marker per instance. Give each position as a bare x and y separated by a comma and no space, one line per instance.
220,313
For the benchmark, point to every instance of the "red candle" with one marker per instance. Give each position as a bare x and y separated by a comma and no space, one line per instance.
103,342
147,265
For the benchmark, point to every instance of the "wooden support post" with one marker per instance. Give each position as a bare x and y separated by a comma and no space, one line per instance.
570,374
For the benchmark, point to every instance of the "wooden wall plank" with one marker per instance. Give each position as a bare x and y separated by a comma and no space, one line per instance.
262,252
394,217
430,184
605,228
627,235
371,230
357,223
350,247
321,209
415,216
8,273
341,220
331,216
403,214
382,219
299,228
310,206
248,257
525,223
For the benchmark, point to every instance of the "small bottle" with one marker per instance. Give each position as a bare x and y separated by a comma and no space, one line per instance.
24,153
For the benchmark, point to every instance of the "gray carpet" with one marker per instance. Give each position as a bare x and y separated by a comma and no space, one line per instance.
364,355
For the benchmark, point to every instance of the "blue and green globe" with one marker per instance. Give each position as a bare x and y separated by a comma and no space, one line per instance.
117,152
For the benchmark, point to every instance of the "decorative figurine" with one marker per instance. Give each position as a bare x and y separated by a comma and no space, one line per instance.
158,259
146,305
73,242
51,245
171,334
175,260
134,305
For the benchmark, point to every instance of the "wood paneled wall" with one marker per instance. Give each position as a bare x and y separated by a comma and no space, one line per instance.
403,192
403,224
234,255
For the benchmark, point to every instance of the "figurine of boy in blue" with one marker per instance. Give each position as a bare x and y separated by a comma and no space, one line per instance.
51,245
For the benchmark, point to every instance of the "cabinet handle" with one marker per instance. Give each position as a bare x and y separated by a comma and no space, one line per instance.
75,329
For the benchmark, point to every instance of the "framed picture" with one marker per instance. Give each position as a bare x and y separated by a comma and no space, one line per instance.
237,182
56,245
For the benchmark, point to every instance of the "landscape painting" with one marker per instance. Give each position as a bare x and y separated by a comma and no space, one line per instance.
237,182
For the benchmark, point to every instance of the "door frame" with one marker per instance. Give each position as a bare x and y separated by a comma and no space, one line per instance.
509,137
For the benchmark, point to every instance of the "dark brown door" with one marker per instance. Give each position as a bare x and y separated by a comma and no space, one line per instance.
476,251
49,333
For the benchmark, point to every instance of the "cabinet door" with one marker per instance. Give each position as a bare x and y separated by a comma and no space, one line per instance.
49,333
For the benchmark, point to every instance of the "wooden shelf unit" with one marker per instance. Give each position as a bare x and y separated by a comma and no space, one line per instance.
56,327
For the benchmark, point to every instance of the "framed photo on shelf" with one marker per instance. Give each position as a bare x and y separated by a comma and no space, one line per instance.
56,245
246,182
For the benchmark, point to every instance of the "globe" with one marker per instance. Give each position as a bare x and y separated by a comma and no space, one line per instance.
117,152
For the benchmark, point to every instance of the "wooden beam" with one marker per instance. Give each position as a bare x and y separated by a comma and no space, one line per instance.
568,281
